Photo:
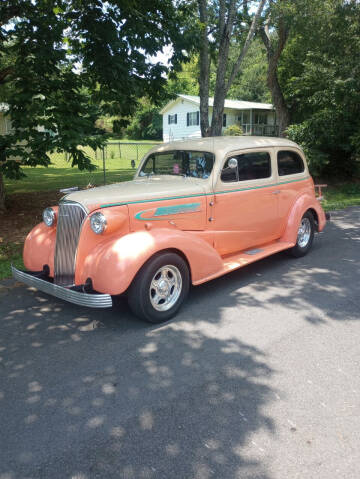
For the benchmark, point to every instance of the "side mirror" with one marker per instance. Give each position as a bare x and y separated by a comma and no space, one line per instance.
232,163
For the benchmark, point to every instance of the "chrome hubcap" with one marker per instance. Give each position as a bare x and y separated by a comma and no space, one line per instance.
304,232
165,287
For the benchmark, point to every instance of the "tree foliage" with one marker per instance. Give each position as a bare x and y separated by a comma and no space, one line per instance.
320,72
219,25
64,63
146,123
251,82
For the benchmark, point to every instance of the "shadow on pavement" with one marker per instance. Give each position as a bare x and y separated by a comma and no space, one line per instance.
89,394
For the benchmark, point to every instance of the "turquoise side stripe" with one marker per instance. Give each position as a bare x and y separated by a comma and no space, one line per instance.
154,200
169,210
176,209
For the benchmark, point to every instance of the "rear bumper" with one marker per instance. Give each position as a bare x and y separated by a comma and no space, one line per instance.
76,297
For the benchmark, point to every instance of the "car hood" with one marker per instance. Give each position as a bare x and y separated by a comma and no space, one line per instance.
137,191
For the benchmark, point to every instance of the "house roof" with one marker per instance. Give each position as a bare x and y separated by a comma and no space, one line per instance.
233,104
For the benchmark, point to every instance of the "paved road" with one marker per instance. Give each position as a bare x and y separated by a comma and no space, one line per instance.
258,377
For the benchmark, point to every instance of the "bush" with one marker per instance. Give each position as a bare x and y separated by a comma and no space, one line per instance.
305,136
233,130
146,123
327,154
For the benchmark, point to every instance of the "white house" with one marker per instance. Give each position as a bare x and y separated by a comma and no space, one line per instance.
5,123
181,117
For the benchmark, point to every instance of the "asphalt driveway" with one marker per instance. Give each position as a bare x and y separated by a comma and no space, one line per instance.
258,377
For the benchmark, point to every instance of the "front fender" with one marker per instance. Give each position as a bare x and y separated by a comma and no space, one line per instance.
301,205
113,264
39,248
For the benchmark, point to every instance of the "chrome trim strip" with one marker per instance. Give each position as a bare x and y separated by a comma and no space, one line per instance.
75,297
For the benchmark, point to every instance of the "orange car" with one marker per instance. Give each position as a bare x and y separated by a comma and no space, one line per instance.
194,211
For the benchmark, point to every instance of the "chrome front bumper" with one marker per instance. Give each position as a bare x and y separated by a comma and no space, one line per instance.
76,297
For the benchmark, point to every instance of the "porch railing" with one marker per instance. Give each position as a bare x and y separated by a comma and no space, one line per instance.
260,130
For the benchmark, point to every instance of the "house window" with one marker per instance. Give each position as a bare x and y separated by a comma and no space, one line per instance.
172,119
289,163
224,119
192,118
260,118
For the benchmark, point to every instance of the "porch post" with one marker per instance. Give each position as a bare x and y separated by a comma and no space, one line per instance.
251,123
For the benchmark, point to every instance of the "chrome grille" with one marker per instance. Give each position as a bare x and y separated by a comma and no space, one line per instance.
69,223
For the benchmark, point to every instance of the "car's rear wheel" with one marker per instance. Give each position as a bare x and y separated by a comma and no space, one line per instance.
305,236
159,288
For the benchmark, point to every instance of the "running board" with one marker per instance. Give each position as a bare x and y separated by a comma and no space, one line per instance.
243,258
250,256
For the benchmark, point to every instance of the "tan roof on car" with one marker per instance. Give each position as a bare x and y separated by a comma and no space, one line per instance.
225,144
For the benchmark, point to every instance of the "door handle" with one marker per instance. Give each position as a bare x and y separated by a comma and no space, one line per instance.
276,192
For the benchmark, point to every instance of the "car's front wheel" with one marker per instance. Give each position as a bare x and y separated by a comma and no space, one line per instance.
159,288
305,236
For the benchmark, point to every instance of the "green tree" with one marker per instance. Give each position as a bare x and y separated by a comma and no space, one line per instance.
251,82
219,24
320,74
71,61
184,80
146,123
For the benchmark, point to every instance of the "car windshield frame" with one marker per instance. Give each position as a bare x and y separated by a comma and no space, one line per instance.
183,163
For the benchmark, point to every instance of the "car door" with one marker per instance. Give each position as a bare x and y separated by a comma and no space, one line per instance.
245,212
294,179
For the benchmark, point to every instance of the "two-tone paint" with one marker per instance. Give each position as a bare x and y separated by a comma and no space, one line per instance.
212,224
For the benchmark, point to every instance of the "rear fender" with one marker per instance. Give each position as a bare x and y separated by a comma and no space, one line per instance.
301,205
113,264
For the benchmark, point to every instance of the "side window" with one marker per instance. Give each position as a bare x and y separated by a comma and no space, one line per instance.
251,166
289,163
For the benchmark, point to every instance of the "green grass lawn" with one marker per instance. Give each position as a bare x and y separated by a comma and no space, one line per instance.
337,197
10,253
60,174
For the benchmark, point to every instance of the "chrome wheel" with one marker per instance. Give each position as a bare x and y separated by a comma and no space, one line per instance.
165,287
304,232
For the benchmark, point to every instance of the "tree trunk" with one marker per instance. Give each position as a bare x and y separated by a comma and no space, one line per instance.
245,48
273,54
225,29
282,112
219,102
2,193
204,70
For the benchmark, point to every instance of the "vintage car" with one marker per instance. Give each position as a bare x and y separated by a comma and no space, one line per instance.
195,210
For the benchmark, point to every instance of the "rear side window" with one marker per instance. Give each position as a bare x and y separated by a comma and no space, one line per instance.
251,166
289,163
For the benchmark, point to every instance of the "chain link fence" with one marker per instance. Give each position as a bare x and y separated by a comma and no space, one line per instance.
117,161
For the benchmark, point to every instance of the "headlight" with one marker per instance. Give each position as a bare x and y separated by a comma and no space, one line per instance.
49,216
98,223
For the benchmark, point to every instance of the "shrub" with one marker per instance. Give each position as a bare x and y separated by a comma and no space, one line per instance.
233,130
327,155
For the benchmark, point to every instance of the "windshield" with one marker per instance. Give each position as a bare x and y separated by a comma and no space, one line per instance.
196,164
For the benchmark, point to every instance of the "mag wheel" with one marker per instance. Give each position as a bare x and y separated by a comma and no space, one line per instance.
160,288
305,236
